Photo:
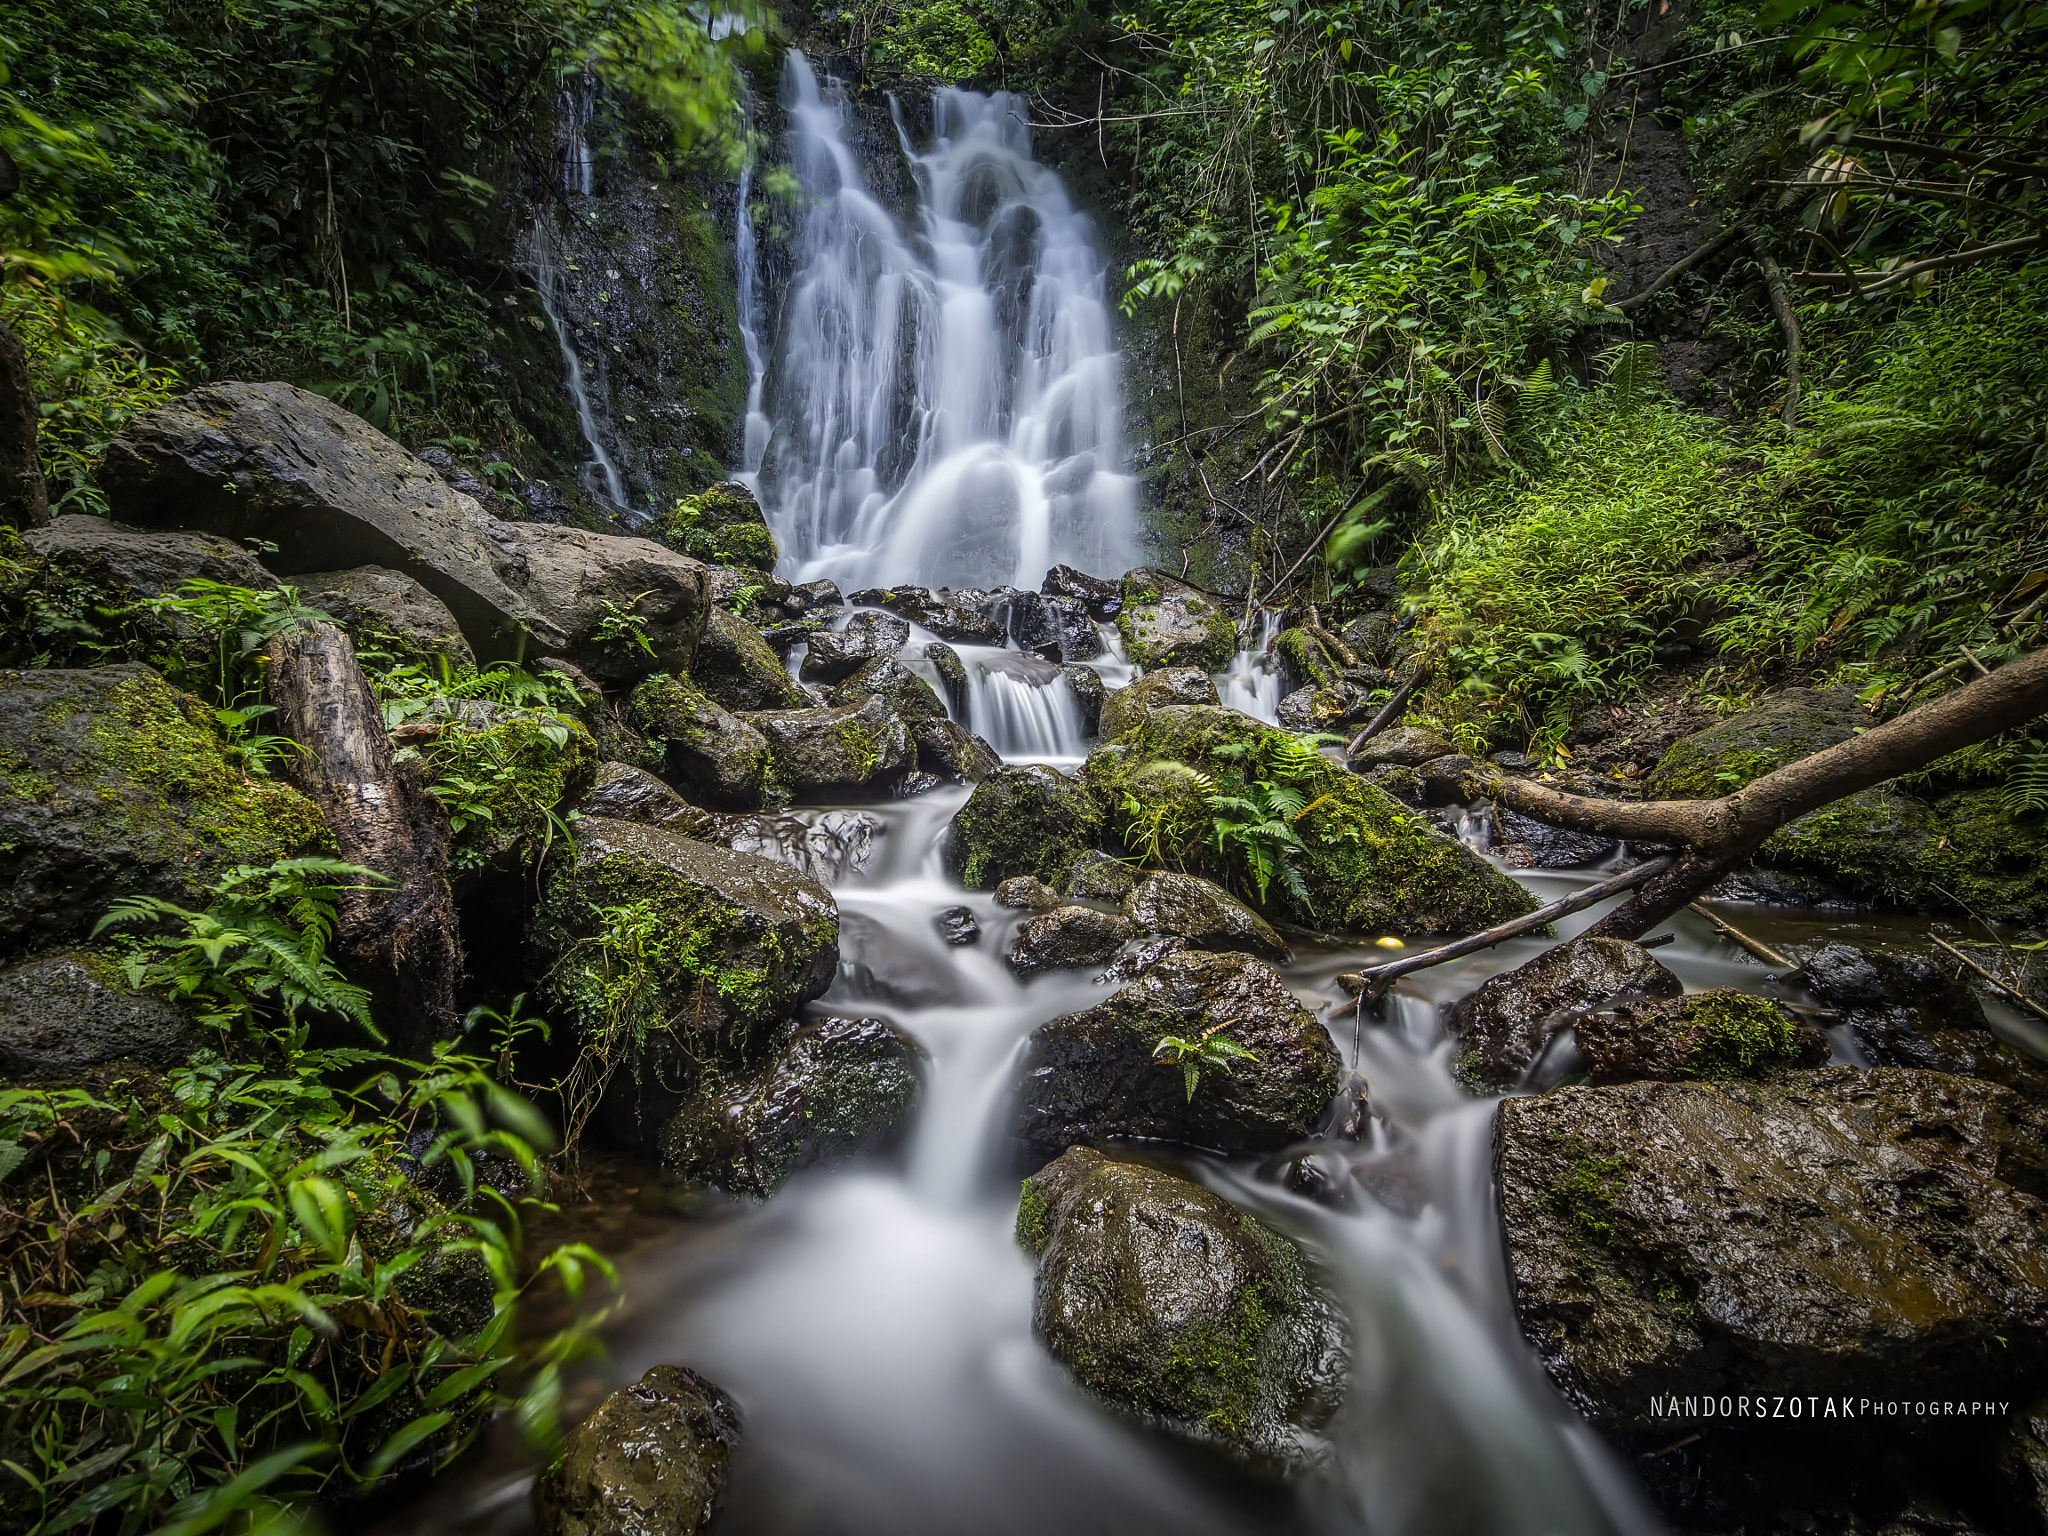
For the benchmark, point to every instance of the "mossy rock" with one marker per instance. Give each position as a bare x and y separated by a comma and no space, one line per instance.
830,751
1308,660
1161,1296
1729,753
1125,707
1165,623
1023,819
1705,1036
722,525
509,771
710,752
391,619
738,670
117,784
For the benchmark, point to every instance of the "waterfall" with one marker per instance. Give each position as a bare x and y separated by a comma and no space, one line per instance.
1252,680
945,408
1022,706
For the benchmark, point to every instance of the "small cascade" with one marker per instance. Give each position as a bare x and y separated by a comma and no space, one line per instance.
1251,682
1021,705
831,846
747,259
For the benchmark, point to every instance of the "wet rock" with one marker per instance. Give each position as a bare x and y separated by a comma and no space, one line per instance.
1834,1232
1500,1027
1718,1034
1089,695
957,926
1138,957
391,618
886,678
1903,1011
1306,661
840,1089
722,525
1022,819
1733,750
721,758
866,637
1760,885
140,563
1206,915
1125,707
736,668
1056,627
821,593
1442,779
950,616
952,673
1028,893
1095,876
331,492
1092,1075
1408,745
1160,1295
1404,784
844,747
829,846
2024,1457
1166,623
1066,937
914,783
653,1458
1103,598
64,1013
1371,638
118,785
953,752
1333,708
624,793
1527,843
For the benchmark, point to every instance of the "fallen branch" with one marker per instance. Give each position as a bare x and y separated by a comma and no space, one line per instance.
1389,712
1788,322
1678,269
1942,155
1756,947
1876,280
2003,988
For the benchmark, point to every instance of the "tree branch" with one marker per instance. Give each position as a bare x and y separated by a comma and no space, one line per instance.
1931,264
1678,269
1788,322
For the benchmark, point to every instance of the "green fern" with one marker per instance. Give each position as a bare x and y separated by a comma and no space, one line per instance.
2026,787
1539,390
1633,372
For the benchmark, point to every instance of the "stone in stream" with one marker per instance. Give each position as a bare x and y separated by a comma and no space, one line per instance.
622,792
1066,937
886,678
1862,1233
952,752
1059,628
1329,708
1104,599
822,593
840,1089
1501,1026
1719,1034
829,846
1022,819
1138,957
836,749
1095,876
957,926
651,1461
836,654
1093,1075
952,673
390,617
1409,746
953,616
63,1013
1161,1296
1527,843
738,670
1027,893
1126,706
1206,915
718,756
1167,623
120,785
1089,695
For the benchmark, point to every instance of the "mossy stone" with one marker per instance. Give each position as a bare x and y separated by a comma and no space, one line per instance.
518,769
1023,819
709,751
1703,1036
738,670
722,525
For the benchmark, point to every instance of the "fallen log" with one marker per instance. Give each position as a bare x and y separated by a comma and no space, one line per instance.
399,941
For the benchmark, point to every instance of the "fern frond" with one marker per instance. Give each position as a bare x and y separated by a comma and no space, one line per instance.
1538,390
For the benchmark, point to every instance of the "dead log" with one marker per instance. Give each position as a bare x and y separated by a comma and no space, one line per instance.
23,503
401,941
1391,711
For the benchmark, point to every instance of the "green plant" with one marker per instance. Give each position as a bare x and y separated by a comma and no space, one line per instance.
240,621
1255,829
1211,1048
622,629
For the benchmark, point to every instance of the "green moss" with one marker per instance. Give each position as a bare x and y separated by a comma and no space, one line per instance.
1142,586
862,750
723,525
501,782
1725,1034
1587,1193
1033,1219
1021,820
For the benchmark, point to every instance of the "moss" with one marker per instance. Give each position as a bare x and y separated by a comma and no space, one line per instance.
1033,1219
723,525
501,782
1142,586
863,751
1021,820
1726,1034
1587,1191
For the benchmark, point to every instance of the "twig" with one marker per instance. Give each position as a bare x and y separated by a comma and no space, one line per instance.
1756,947
1678,269
1788,322
1390,711
2004,989
1876,281
1316,541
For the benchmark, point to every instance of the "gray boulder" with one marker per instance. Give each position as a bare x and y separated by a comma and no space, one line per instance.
1206,915
1166,623
1501,1026
840,1089
1102,599
952,673
717,755
391,618
137,563
735,667
1407,745
1066,937
1095,876
866,637
1161,1296
957,926
1093,1075
953,752
1028,893
1125,707
653,1458
1022,819
622,792
886,678
958,616
1903,1011
841,747
64,1013
1840,1232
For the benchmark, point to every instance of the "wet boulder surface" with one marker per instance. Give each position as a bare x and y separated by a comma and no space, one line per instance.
1206,915
621,792
1405,746
652,1459
140,563
1163,1298
1717,1034
837,748
1065,937
1125,707
1166,623
834,654
1500,1027
1903,1011
1091,1076
389,616
1022,819
64,1013
716,755
738,669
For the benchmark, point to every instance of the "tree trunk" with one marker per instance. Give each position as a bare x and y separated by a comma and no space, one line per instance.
401,942
23,504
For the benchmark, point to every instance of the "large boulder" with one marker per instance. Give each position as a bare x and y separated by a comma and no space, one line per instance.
118,785
1125,707
1719,1034
652,1459
1903,1011
329,491
621,792
1166,623
1022,819
66,1012
839,1089
1097,1074
837,748
723,525
1724,756
1161,1296
886,678
141,563
1206,915
1526,843
1500,1027
834,654
715,755
390,617
1407,746
1066,937
513,769
957,616
1842,1233
1057,627
736,668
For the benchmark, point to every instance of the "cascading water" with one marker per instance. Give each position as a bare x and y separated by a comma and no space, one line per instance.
945,407
1252,681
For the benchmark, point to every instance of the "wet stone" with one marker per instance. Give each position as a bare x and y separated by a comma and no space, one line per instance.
64,1013
1408,745
653,1458
1206,915
1095,876
957,926
1903,1011
1719,1034
1125,707
1526,843
1103,598
1027,892
1501,1026
1066,937
914,783
866,637
1138,957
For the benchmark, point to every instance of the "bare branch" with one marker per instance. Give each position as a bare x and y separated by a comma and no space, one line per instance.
1678,269
1877,280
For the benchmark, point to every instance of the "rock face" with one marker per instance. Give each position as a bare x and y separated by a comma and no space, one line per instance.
1409,746
1126,706
1095,876
1023,819
1718,1034
735,667
1528,843
332,492
1206,915
1904,1012
839,1089
391,618
1166,623
849,746
1501,1025
142,562
653,1458
63,1013
622,792
1161,1296
866,637
1091,1075
119,785
1066,937
1842,1231
1103,598
716,755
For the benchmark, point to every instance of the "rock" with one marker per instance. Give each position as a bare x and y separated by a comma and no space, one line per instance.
1066,937
1835,1232
624,793
1126,706
1903,1011
1341,704
1089,695
843,747
1442,779
821,593
952,752
1500,1027
1404,784
1371,638
331,492
2024,1457
1022,819
1166,623
949,751
119,785
1089,1076
1206,915
722,525
391,618
1160,1295
1717,1034
653,1458
1095,876
1104,599
907,695
1138,957
1027,892
1527,843
840,1089
717,755
957,926
952,673
1058,628
1407,745
949,615
66,1012
914,783
1306,661
737,670
866,637
1737,748
140,563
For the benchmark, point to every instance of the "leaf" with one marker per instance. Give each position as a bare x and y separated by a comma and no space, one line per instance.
393,1450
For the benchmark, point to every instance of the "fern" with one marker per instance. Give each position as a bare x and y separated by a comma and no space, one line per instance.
1538,390
2026,787
1632,372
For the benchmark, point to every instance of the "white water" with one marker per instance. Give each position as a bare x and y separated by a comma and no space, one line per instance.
1252,681
945,403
